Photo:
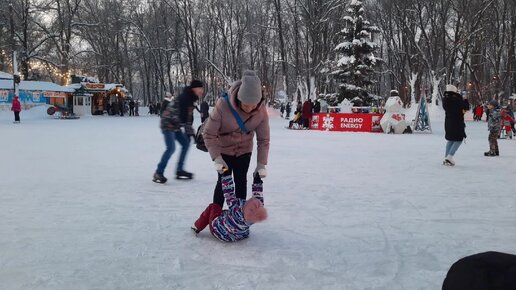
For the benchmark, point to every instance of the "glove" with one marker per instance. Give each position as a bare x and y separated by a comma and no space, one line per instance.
260,169
220,165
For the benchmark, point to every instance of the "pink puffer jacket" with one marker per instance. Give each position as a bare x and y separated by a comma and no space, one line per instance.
16,106
222,135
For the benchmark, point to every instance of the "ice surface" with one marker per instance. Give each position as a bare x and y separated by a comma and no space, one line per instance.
78,209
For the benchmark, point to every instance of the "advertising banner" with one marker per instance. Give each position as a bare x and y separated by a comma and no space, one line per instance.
346,122
4,96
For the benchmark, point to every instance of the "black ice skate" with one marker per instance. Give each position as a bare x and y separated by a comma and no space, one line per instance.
447,162
195,230
490,154
159,178
184,175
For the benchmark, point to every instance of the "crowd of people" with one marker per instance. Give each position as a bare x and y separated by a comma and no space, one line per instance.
123,107
303,113
155,107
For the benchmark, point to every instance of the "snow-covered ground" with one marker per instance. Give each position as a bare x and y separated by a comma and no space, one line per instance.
78,209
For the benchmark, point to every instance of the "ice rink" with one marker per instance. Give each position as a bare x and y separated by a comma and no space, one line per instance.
78,209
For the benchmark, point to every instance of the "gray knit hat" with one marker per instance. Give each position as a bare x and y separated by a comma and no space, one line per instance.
250,91
494,103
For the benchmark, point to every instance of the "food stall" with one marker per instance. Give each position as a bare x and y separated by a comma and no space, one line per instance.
97,98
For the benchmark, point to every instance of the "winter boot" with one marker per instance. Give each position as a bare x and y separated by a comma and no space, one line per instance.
497,153
489,154
159,178
181,174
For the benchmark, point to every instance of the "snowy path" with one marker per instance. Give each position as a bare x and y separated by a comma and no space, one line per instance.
347,210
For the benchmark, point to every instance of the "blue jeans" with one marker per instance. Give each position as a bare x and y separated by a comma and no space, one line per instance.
452,147
170,142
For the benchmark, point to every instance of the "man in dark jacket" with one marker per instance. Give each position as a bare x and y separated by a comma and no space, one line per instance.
121,106
131,108
205,111
454,126
157,108
317,107
176,124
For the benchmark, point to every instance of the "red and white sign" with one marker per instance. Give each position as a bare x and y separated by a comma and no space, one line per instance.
347,122
48,94
94,86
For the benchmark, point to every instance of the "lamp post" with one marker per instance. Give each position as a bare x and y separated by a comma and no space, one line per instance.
16,76
406,97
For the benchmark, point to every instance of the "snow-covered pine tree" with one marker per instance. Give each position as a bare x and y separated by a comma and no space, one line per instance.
355,54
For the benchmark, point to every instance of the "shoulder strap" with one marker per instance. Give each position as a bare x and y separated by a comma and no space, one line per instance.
235,114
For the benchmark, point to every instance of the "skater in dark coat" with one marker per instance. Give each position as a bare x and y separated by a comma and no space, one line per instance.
454,126
317,107
205,111
488,112
136,107
484,271
176,124
131,108
288,109
16,108
121,105
158,109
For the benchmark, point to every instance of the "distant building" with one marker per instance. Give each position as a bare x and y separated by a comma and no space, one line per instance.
32,93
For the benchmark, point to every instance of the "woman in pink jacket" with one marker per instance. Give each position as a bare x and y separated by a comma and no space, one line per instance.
230,147
16,108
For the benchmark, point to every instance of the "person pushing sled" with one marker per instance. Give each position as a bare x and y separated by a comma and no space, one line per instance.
233,224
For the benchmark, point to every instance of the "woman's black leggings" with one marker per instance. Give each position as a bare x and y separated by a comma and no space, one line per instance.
239,165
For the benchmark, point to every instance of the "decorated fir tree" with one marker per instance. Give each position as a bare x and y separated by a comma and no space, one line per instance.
355,54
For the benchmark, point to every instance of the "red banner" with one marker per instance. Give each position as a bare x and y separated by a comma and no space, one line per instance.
346,122
94,86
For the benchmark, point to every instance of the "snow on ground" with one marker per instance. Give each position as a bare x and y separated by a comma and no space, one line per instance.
78,209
